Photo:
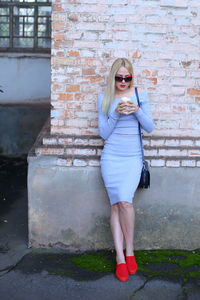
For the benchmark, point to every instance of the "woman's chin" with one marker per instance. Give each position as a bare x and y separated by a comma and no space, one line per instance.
122,88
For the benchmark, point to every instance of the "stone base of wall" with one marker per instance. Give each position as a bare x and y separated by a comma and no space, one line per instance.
68,208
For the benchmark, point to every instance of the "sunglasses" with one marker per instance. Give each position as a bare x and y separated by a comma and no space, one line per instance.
120,79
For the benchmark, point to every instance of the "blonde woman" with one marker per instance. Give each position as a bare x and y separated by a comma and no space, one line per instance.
121,158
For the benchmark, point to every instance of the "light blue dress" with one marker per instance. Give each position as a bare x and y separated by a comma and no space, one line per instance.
121,157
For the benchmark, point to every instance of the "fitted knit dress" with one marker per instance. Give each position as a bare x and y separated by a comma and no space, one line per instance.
121,157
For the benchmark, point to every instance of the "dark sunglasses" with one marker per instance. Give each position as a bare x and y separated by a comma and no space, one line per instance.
126,79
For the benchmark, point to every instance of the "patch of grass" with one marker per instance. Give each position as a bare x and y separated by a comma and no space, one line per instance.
178,264
179,258
182,258
93,262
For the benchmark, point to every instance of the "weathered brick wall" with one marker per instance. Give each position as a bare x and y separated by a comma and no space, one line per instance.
161,39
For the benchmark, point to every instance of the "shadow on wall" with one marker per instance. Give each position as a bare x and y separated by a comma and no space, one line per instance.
20,125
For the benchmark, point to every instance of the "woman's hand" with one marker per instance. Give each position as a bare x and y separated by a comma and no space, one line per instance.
126,107
120,107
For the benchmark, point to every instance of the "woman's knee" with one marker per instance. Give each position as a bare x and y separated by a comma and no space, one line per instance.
115,207
125,205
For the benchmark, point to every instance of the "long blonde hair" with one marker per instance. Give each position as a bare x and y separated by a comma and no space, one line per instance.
109,94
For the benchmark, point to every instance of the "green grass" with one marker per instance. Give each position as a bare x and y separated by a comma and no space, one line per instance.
151,263
93,262
189,258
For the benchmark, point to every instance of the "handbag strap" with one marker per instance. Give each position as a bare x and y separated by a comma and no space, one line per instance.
138,101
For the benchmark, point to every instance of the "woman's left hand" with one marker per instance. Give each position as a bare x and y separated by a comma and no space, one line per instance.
130,108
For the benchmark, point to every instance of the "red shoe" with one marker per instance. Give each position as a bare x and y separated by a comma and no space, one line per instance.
131,263
122,272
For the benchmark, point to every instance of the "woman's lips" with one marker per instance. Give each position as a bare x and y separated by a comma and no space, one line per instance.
122,85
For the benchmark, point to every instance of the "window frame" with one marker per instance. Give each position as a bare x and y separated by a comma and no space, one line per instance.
35,49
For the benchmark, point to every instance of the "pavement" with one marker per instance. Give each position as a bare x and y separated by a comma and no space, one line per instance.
57,274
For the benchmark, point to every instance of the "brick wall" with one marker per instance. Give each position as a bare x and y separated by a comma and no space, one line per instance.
161,39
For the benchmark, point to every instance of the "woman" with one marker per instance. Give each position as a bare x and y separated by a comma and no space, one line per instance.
121,158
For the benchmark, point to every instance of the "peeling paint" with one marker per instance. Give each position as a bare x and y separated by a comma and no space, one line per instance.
186,63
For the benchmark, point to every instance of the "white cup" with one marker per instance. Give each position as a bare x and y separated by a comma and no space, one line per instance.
125,99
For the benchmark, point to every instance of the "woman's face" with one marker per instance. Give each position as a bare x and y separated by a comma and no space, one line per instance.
122,72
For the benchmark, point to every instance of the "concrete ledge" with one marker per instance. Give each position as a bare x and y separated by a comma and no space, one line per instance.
69,208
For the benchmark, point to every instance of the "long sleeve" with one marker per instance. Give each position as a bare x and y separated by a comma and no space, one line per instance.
106,123
143,114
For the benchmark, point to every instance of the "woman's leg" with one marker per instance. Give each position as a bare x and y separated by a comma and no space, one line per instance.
127,221
117,233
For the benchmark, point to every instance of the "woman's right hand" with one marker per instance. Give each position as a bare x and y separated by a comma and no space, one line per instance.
121,107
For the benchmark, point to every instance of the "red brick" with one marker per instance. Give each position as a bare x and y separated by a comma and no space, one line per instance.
59,26
65,97
136,54
93,123
194,152
73,88
56,43
94,79
60,53
57,7
193,91
154,80
90,71
178,108
58,35
73,53
146,72
68,114
49,151
79,96
197,100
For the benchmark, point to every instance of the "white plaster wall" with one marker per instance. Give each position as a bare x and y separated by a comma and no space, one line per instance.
24,77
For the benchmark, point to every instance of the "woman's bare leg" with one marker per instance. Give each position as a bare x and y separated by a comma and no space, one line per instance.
127,221
117,233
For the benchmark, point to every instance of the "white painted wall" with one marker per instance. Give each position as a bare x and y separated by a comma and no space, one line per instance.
25,77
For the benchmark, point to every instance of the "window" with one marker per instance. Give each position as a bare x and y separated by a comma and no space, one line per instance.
25,26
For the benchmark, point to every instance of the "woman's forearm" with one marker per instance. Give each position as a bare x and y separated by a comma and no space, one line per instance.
106,123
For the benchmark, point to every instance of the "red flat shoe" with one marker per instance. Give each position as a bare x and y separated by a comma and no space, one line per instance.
122,272
131,263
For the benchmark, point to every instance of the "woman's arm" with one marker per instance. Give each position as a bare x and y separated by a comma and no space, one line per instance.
143,114
106,123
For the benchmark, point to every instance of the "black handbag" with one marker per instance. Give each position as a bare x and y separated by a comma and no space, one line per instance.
145,174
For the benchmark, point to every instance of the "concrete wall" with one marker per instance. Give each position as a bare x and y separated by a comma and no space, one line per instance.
24,77
62,215
20,125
